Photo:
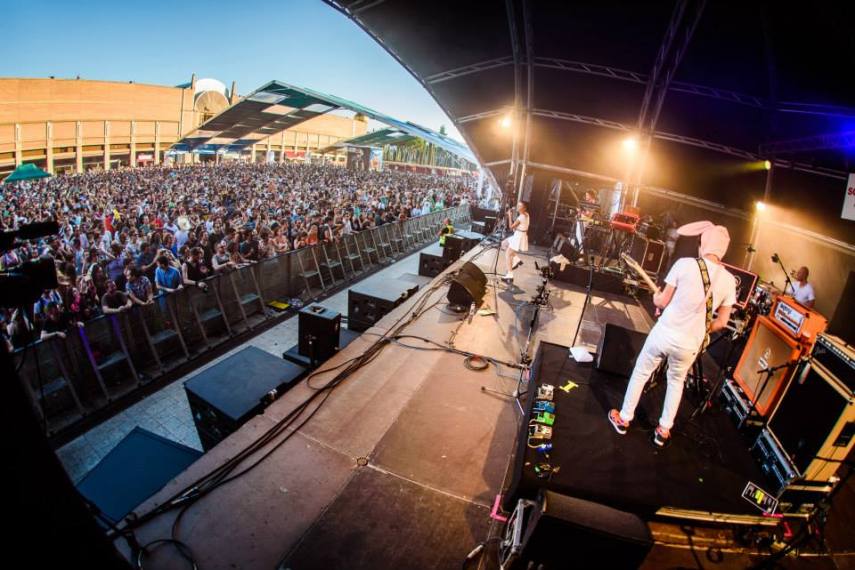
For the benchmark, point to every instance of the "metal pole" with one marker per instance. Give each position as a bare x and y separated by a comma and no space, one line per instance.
755,222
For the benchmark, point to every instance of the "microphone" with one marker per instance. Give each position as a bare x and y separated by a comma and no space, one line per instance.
775,258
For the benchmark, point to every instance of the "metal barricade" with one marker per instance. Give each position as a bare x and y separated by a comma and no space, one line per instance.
113,354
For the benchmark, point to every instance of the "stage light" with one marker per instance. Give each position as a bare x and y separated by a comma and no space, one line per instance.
630,144
760,206
767,164
506,122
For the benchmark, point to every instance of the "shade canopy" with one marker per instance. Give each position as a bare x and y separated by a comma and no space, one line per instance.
27,171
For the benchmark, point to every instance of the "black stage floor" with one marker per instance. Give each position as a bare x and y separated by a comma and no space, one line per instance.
705,468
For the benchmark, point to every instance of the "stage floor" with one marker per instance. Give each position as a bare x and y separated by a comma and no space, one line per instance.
705,468
401,466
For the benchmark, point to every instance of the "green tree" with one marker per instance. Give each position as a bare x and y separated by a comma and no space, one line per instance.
442,130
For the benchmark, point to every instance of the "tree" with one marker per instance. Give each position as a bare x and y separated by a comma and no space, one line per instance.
442,130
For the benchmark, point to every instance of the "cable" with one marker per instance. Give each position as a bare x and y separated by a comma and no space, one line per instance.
223,474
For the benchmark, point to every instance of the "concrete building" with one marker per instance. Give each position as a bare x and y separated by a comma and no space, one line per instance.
73,125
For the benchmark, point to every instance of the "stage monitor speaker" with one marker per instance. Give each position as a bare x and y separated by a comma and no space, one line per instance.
467,286
566,532
843,322
318,330
768,346
618,349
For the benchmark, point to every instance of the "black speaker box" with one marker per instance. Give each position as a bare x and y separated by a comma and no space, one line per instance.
368,304
318,331
453,248
566,532
618,349
431,265
467,286
843,322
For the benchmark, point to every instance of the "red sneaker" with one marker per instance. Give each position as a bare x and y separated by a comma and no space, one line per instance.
662,436
617,422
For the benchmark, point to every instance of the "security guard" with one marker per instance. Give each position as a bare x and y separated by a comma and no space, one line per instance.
447,230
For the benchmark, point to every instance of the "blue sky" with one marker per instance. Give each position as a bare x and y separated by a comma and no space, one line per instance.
303,42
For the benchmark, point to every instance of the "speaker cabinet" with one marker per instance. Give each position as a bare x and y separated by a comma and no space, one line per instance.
653,256
768,346
467,286
843,322
618,349
566,532
367,304
815,420
431,265
318,331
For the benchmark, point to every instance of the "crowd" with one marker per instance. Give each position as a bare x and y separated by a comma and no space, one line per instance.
127,234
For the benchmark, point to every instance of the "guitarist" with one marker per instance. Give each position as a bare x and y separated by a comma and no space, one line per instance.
694,288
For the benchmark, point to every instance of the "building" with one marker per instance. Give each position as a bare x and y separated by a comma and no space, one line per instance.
73,125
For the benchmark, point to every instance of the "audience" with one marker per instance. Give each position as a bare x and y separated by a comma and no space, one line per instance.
125,233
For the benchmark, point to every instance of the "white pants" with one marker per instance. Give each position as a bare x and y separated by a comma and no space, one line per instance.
680,358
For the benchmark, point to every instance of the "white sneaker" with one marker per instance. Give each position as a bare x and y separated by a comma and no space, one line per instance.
509,276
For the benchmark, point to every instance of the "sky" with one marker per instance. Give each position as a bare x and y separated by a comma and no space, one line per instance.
302,42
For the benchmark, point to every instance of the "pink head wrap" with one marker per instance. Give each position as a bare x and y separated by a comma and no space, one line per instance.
714,239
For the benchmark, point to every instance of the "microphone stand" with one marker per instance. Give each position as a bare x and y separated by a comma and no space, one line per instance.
777,259
768,371
587,300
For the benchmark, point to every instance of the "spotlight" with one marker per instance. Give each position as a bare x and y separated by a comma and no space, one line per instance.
767,164
761,206
506,122
630,144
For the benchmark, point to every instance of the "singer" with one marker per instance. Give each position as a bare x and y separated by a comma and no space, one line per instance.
694,288
518,241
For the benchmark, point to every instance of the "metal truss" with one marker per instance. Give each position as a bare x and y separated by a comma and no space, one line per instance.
580,119
469,69
483,115
359,6
590,69
709,145
816,109
828,141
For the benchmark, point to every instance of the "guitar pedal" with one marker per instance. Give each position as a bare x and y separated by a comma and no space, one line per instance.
539,431
544,406
545,392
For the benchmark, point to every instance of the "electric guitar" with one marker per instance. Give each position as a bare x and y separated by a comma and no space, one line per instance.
633,264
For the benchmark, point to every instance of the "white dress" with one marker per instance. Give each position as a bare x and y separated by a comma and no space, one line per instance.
519,241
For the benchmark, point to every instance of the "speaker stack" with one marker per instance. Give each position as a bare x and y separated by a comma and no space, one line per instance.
618,349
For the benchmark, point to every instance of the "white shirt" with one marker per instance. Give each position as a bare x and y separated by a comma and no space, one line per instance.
802,293
684,319
523,223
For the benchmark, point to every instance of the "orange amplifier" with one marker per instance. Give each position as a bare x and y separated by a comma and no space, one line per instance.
768,346
625,222
797,320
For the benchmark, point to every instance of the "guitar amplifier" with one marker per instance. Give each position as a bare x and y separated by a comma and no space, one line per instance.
768,346
797,320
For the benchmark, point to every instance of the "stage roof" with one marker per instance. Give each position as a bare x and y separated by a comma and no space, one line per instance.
733,80
277,106
374,139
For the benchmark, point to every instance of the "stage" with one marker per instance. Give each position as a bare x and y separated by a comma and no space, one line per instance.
402,464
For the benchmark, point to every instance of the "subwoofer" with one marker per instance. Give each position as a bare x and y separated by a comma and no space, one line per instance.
467,286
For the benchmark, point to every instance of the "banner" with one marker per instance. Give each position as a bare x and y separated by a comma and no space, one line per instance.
849,199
